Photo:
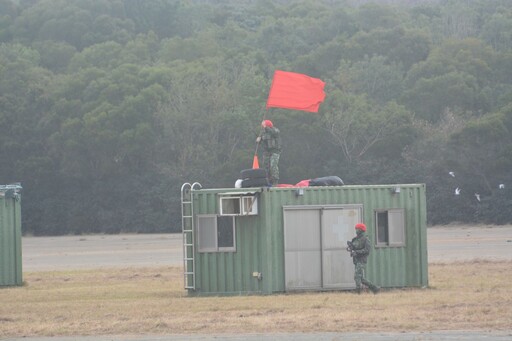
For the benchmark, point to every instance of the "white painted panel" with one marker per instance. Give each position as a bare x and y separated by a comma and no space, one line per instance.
337,229
302,249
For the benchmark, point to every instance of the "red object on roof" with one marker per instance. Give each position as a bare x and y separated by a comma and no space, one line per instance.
303,183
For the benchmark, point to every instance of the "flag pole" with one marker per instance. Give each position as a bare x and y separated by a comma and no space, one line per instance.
255,162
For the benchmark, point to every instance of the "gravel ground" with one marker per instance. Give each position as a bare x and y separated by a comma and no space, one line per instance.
445,244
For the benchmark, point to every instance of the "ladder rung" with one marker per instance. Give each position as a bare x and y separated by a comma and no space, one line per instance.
187,226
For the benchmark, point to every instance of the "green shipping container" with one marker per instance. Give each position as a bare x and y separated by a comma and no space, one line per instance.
10,235
274,240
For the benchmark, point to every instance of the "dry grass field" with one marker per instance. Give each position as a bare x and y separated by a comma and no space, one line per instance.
468,296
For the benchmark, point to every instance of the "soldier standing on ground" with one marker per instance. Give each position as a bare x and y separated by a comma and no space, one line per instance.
359,251
271,150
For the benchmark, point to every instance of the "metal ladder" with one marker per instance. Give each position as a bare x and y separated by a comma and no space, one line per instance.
187,229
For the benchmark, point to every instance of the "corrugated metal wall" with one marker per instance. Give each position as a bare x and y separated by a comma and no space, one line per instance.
260,239
10,240
229,272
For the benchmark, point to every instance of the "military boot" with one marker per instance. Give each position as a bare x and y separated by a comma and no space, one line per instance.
375,289
358,290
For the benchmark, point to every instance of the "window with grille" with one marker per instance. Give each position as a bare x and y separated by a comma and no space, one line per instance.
238,205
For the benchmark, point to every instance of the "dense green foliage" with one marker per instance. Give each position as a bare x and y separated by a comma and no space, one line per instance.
108,106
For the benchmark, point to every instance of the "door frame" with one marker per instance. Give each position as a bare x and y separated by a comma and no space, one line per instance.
320,208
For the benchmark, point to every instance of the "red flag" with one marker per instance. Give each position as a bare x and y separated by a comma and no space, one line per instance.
296,91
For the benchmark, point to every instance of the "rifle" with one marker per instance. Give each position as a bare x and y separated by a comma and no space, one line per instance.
350,248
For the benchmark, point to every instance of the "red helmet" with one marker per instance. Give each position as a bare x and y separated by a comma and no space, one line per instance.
267,123
361,226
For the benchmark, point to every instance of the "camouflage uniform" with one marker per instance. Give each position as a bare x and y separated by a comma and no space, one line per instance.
271,151
361,247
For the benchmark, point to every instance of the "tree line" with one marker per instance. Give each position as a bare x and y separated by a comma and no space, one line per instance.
108,106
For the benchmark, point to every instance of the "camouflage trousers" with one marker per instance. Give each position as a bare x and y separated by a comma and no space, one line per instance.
359,278
271,164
